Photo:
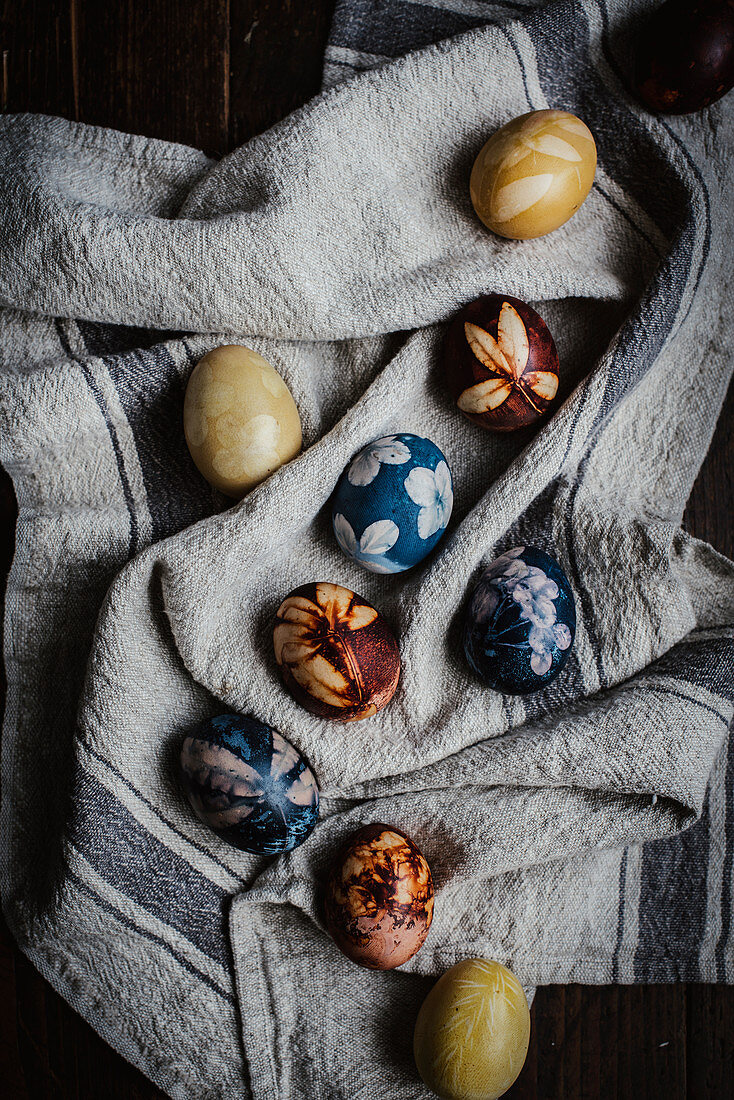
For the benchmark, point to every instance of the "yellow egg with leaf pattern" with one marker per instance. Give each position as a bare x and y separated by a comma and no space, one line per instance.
472,1033
533,174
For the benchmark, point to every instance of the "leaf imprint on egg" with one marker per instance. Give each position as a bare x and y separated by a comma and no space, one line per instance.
308,631
515,198
485,396
555,147
272,381
575,126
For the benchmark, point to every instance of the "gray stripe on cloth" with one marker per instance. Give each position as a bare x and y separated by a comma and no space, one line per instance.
176,494
621,913
672,913
108,765
395,28
122,910
119,458
120,849
723,946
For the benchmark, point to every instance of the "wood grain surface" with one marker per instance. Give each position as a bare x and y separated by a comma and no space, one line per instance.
211,73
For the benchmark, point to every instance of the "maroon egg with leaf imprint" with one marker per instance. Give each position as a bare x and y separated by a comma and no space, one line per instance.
500,363
378,902
336,653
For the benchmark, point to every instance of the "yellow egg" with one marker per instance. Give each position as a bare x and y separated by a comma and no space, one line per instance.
240,420
533,174
472,1032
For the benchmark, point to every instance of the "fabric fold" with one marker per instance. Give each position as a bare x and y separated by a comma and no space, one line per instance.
350,174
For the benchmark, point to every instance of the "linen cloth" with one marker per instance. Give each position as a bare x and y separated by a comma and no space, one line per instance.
338,244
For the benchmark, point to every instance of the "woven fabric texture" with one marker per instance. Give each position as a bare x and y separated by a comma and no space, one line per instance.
581,834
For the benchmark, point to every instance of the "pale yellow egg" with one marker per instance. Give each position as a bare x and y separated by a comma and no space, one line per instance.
240,420
533,174
472,1033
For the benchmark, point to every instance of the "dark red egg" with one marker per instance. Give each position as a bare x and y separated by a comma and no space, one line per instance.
379,898
685,56
336,654
500,363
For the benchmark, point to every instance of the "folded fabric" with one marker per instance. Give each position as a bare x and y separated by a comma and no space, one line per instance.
337,245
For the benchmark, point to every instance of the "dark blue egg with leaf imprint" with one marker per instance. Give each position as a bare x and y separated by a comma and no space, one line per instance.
520,622
249,785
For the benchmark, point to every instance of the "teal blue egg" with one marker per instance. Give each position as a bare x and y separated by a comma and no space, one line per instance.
393,502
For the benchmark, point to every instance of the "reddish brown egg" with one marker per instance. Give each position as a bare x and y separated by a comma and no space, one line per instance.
379,898
337,655
500,363
685,56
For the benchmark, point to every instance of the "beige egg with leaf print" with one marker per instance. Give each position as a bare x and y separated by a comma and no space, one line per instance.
240,420
533,174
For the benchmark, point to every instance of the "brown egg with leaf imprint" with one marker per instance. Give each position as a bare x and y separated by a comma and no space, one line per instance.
336,653
379,896
500,363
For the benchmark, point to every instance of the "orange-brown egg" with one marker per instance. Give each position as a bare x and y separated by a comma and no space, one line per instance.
336,654
379,898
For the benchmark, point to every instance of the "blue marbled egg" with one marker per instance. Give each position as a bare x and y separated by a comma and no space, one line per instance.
520,622
250,785
392,503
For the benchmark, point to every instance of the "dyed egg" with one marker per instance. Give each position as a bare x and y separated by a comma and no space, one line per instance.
379,898
250,785
520,622
500,363
392,503
240,420
533,174
685,56
472,1034
337,655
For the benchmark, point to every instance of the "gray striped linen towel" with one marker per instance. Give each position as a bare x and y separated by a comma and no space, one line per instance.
581,834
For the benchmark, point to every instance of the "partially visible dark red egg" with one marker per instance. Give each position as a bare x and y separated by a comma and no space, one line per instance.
500,363
379,898
685,56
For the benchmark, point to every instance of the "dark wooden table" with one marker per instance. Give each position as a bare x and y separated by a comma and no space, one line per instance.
211,73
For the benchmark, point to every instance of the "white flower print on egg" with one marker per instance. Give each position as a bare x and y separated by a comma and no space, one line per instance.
376,540
366,466
432,491
535,592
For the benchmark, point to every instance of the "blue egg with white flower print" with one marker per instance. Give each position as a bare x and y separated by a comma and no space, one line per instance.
249,785
520,622
392,503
